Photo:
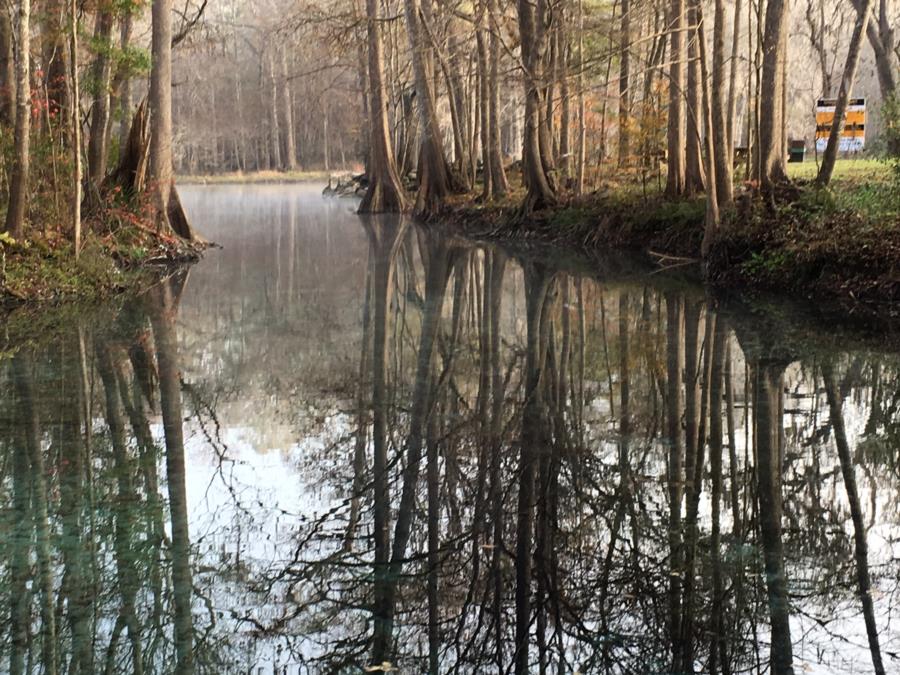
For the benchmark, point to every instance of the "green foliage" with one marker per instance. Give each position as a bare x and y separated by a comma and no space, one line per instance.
134,59
815,201
130,62
766,263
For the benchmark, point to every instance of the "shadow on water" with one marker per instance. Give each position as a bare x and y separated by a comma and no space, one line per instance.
345,444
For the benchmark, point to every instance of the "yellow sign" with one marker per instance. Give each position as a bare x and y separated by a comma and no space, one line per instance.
853,135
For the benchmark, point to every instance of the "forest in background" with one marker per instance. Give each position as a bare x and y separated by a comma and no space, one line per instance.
532,103
292,75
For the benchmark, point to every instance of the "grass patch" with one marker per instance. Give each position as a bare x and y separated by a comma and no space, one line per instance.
844,170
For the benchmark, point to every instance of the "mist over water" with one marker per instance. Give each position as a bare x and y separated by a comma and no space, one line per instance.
338,443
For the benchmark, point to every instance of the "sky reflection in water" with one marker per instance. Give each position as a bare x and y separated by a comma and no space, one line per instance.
339,442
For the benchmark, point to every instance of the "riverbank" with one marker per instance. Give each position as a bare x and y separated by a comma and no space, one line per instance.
840,245
43,271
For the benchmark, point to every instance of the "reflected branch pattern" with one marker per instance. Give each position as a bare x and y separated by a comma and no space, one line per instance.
444,457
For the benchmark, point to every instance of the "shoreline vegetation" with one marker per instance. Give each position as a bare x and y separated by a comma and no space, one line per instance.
839,244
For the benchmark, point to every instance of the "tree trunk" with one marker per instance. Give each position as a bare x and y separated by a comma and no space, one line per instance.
498,177
121,88
540,190
100,109
881,38
433,171
170,217
75,125
274,126
695,175
732,79
722,117
385,191
675,159
565,110
55,57
582,129
484,110
624,73
18,181
7,70
840,108
287,108
771,152
711,224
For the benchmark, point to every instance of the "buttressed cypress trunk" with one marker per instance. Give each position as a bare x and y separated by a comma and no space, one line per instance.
170,216
434,172
541,192
385,192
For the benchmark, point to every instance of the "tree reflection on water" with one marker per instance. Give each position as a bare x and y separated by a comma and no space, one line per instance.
450,457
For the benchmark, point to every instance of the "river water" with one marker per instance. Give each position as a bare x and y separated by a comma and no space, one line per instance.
344,445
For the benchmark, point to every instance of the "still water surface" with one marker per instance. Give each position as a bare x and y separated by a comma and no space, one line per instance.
339,445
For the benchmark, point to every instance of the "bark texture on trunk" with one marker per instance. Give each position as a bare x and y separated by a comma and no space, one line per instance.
771,150
541,191
101,72
385,191
675,158
18,180
695,173
170,216
7,71
722,116
434,176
